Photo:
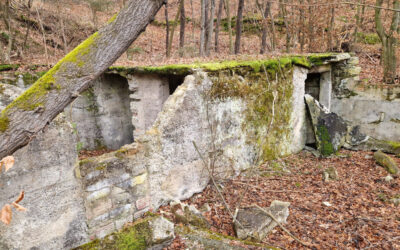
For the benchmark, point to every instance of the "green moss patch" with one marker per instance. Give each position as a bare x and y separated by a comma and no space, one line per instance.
136,236
4,122
8,67
272,64
267,88
35,96
368,38
326,147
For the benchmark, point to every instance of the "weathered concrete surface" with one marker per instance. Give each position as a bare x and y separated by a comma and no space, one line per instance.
148,94
8,93
163,164
152,232
299,114
377,116
102,114
44,170
253,222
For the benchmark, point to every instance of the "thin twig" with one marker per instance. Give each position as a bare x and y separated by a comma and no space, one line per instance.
270,190
216,187
280,225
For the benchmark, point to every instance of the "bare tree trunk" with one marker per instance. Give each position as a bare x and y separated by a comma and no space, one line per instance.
7,21
167,28
210,28
228,14
310,27
203,27
330,29
389,41
302,28
44,37
171,38
206,18
182,29
45,99
239,24
28,27
192,7
273,38
264,27
217,26
286,22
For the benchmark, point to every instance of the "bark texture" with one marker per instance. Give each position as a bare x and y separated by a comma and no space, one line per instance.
40,104
239,24
389,42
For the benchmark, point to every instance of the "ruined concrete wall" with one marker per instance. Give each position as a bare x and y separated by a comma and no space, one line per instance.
163,164
102,116
148,94
44,169
375,108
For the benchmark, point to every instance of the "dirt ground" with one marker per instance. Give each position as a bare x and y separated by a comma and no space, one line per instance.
353,212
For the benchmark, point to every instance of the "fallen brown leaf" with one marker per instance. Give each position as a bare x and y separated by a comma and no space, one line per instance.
6,214
8,163
19,207
20,197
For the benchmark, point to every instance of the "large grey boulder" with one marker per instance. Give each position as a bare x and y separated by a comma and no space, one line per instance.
330,130
253,222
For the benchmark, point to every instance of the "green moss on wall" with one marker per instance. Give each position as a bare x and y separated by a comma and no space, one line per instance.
4,122
7,67
324,141
253,65
136,236
266,87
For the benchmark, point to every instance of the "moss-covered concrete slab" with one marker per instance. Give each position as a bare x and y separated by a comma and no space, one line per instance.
307,61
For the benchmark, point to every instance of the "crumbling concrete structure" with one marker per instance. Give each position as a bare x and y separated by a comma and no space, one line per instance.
172,126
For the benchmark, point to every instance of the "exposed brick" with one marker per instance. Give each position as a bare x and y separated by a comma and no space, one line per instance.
142,203
105,230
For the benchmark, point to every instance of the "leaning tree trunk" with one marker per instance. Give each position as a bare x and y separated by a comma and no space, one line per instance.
41,103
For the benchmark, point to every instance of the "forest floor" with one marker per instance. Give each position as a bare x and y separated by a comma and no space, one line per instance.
149,48
353,212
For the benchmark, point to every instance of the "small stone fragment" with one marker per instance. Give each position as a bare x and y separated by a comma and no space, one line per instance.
330,174
327,204
162,230
395,201
388,178
386,161
189,215
254,222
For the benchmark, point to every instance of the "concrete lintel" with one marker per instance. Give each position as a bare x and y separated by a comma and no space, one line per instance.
320,69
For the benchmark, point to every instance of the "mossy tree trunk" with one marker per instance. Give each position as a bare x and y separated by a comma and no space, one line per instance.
389,41
41,103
